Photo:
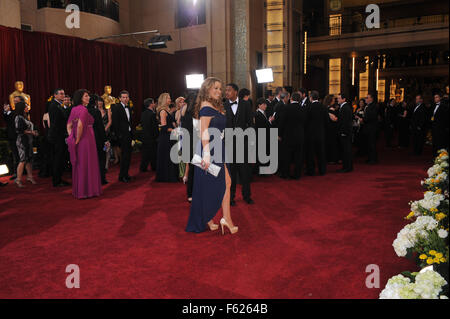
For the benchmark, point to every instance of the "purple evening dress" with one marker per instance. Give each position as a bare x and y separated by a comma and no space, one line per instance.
86,180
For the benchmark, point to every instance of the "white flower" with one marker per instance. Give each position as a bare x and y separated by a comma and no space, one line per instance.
442,233
394,287
428,285
408,236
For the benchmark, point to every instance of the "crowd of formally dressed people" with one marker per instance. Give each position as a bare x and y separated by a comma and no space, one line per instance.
84,136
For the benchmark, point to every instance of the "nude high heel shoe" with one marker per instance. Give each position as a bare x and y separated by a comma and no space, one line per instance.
233,230
213,227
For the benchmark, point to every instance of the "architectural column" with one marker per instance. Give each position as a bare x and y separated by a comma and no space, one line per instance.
240,42
10,13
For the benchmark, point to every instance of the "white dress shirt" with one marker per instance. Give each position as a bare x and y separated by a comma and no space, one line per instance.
234,106
436,109
127,111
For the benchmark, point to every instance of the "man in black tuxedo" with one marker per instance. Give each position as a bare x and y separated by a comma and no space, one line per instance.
317,120
345,127
100,135
122,119
269,101
57,135
150,135
262,122
370,121
239,115
440,124
9,116
418,123
308,151
271,108
278,116
292,133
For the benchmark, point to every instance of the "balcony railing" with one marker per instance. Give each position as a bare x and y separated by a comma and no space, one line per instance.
356,23
105,8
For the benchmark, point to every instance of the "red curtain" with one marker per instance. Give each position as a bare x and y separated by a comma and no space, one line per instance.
45,61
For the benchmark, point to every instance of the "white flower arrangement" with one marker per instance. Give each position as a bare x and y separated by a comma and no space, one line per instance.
427,285
431,200
408,236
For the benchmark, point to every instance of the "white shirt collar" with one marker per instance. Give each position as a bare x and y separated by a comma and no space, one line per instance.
237,101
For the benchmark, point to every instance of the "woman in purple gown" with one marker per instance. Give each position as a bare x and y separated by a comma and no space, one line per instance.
86,180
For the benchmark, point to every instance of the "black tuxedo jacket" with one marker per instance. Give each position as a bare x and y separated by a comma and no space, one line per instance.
419,118
317,121
440,124
10,125
243,118
99,128
279,110
292,124
58,122
371,116
262,121
345,120
149,126
121,126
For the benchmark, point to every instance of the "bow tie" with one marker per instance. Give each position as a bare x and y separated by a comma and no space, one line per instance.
232,103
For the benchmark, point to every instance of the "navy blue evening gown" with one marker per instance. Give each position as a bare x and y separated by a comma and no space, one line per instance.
208,191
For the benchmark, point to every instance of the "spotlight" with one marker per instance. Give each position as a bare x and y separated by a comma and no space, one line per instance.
159,42
264,75
194,81
4,170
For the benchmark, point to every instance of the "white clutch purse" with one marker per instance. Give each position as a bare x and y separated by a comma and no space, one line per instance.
213,169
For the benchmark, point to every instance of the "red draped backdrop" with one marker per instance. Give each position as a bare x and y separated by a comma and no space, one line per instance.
45,61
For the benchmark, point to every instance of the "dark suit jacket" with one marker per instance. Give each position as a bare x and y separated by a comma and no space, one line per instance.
270,108
149,126
440,126
292,125
419,118
345,120
99,128
121,127
317,121
10,125
243,118
279,109
371,117
58,122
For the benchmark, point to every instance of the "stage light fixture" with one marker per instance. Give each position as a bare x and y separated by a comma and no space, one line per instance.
4,170
159,42
194,81
264,75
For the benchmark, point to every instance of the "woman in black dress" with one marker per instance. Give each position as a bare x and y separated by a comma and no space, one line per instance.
186,114
107,122
25,133
403,125
166,170
332,130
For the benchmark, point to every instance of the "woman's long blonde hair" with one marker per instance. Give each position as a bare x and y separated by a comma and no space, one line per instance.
162,103
203,95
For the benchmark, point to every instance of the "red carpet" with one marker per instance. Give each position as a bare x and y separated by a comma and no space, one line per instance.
311,238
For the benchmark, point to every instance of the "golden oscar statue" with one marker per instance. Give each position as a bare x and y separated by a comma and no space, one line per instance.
19,92
108,98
